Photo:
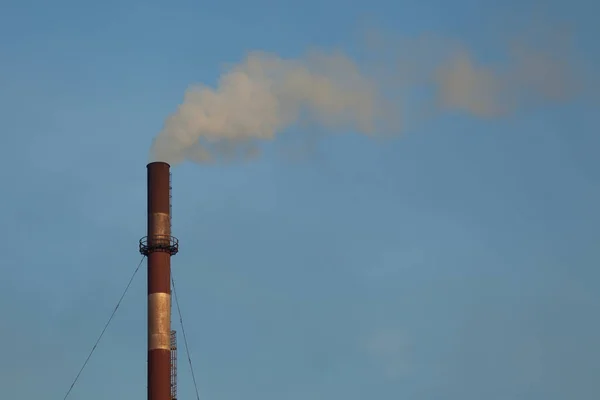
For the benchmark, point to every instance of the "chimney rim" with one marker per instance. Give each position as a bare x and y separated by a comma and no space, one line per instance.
158,162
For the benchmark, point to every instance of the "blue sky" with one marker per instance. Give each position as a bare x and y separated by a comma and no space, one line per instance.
459,261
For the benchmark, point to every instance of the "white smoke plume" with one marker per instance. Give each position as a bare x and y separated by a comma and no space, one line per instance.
265,94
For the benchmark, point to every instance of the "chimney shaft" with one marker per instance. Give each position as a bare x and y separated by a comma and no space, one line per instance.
159,246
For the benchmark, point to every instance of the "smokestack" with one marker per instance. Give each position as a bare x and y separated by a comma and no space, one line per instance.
158,246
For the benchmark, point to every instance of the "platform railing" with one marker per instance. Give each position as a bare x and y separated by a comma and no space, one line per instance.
159,243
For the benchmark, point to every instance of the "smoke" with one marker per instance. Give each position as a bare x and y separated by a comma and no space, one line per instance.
265,94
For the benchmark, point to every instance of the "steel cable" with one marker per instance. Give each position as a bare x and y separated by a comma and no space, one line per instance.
105,327
184,337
